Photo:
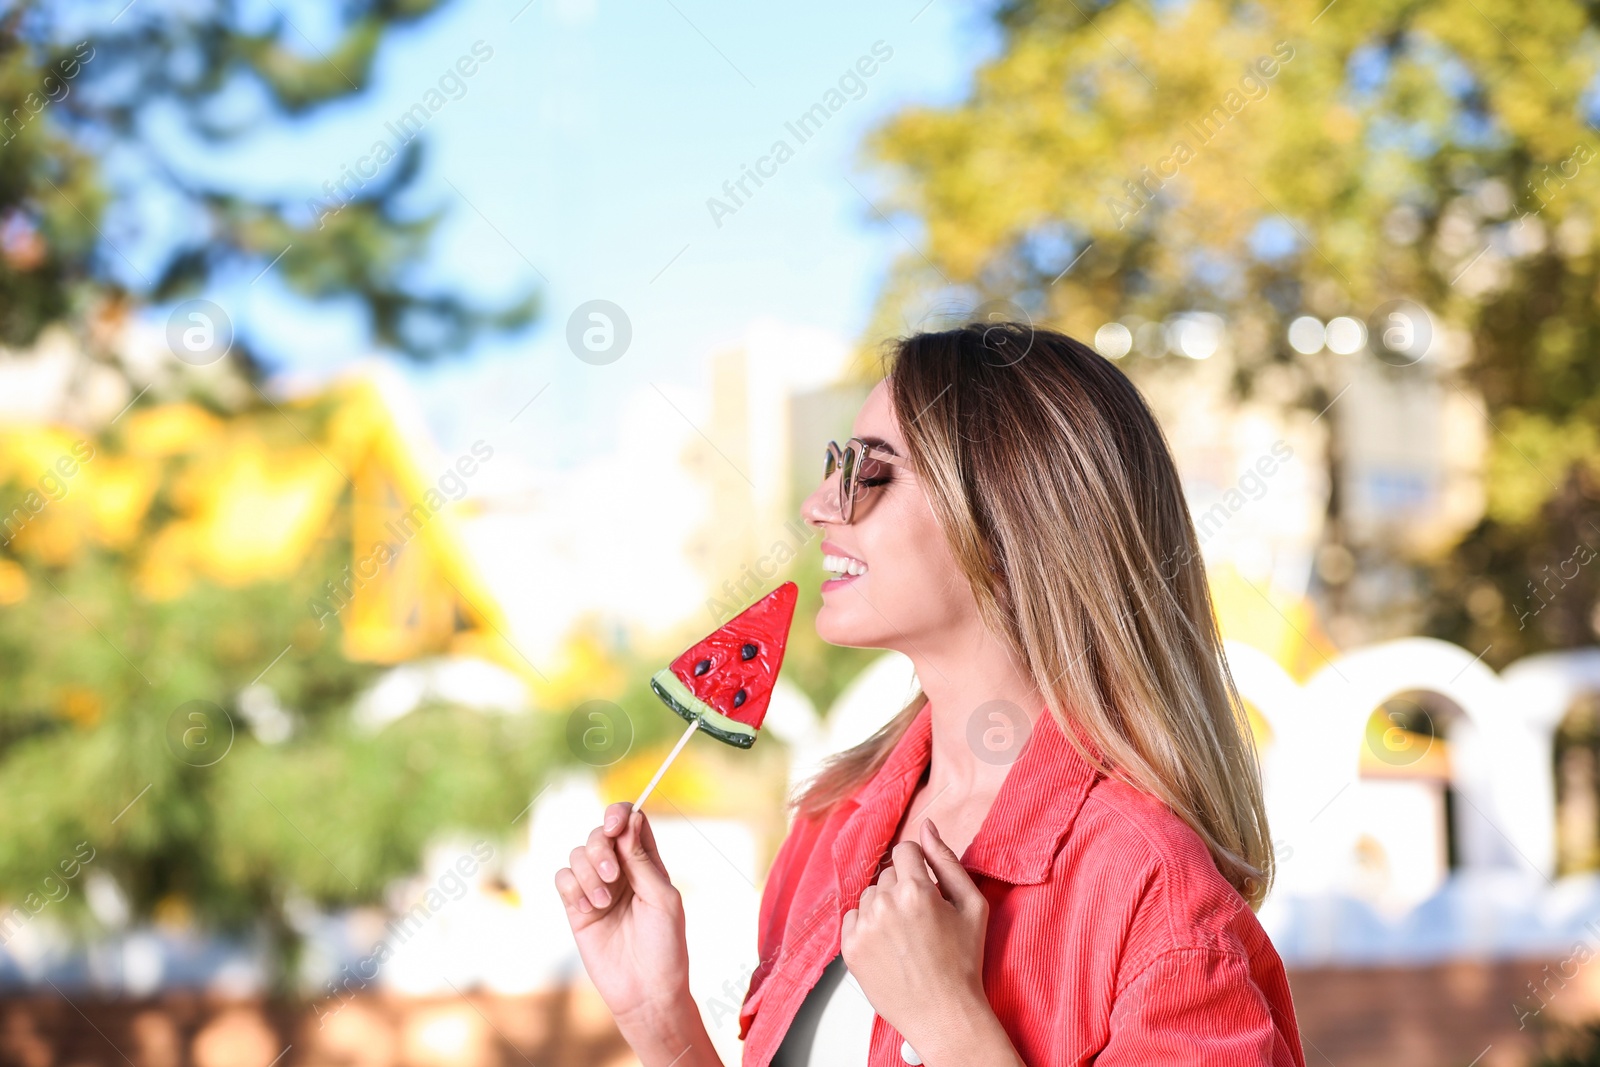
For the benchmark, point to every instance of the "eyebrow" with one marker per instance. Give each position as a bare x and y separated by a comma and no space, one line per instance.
878,442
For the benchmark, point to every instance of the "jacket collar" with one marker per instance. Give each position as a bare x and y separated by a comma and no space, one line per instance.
1019,838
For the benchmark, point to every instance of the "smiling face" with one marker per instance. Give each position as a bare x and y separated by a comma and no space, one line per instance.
908,593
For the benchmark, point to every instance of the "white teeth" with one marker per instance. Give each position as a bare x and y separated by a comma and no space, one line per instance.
843,565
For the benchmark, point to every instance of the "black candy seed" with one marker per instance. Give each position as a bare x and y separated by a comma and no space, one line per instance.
738,698
701,667
748,652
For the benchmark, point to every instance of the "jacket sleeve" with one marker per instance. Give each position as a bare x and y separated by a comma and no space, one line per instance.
1196,1005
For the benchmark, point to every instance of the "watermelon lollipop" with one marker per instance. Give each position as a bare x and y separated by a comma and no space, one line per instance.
725,680
723,683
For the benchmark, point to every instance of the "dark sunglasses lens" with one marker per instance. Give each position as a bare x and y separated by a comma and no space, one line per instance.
847,484
844,460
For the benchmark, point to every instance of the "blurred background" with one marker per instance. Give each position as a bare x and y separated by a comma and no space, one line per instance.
389,387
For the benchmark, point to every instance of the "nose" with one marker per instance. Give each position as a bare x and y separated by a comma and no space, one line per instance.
822,506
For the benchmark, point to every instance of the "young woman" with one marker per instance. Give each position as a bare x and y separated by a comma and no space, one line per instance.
1053,855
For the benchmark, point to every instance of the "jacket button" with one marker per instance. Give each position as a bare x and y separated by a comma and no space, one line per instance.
908,1053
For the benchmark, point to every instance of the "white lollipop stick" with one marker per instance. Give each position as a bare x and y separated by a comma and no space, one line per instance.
694,724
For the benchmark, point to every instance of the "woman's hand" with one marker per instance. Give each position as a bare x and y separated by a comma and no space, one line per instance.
916,948
627,917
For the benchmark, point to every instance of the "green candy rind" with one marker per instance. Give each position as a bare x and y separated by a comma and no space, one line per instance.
675,695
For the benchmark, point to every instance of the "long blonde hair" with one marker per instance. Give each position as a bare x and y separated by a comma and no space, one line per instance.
1056,490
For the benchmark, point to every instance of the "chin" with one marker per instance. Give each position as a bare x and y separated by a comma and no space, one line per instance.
836,629
842,626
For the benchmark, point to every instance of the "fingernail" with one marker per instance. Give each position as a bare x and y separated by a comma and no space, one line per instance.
611,822
584,905
608,870
604,894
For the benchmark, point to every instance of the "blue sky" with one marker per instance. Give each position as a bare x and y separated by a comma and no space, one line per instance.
580,157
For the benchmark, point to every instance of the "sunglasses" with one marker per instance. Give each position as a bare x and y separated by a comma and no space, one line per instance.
860,463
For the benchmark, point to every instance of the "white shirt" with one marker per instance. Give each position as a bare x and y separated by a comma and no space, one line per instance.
833,1027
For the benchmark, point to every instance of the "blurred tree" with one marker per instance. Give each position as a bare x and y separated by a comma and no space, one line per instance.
118,684
1264,162
94,107
1564,1044
176,706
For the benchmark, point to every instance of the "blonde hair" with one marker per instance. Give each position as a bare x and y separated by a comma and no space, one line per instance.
1056,490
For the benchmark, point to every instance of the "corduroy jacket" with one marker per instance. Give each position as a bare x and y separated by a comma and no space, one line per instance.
1112,939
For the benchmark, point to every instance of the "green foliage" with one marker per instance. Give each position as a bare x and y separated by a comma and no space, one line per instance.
1571,1046
79,92
49,190
98,676
1269,161
211,815
332,813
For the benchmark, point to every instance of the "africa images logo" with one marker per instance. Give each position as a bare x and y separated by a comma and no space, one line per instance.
451,85
736,191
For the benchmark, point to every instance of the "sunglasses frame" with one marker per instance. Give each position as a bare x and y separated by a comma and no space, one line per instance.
856,449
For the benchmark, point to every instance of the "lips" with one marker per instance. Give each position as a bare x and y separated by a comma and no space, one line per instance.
844,566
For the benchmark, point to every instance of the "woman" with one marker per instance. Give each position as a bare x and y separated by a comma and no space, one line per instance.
1053,854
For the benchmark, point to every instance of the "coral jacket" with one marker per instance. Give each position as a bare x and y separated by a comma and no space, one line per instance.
1112,937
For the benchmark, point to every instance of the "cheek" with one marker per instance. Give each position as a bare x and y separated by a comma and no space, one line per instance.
918,567
912,577
912,589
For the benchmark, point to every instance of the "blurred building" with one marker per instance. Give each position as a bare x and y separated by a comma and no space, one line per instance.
252,506
774,403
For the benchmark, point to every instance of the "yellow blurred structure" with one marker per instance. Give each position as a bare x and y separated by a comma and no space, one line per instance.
1284,627
236,500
